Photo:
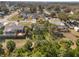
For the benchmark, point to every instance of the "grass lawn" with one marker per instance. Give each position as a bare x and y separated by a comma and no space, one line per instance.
25,23
16,17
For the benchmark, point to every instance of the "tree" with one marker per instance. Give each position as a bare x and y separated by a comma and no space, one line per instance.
46,49
11,45
40,21
63,16
70,53
77,51
66,43
40,8
69,43
19,52
32,9
1,50
57,9
75,16
77,43
28,45
67,10
28,32
38,54
53,14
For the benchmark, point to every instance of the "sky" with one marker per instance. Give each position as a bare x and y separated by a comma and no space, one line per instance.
46,0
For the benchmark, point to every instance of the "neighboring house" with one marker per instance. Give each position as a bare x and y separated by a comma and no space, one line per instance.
10,7
38,10
46,18
62,10
76,29
56,21
46,12
69,25
24,15
31,21
58,34
1,25
14,29
71,13
62,29
2,13
72,23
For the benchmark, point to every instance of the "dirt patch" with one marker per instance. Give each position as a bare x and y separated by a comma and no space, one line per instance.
19,42
71,37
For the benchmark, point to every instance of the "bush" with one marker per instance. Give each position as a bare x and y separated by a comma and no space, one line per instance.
77,43
1,50
28,45
19,52
10,45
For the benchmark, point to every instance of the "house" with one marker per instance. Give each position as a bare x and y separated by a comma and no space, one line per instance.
33,21
56,21
14,29
62,29
46,12
58,34
11,7
2,13
1,25
24,15
69,25
72,23
76,29
71,13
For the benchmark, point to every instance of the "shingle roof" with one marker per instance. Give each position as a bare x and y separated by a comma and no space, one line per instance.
1,25
12,27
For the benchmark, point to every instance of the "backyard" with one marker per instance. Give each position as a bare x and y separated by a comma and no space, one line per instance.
73,36
15,18
19,42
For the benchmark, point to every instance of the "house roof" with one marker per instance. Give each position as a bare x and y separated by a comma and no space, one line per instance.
1,25
12,27
56,21
1,12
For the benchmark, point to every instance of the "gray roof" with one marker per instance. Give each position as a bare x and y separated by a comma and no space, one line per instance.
1,12
1,25
13,27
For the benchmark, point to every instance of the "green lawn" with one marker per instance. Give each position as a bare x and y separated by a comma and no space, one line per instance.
16,17
25,23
